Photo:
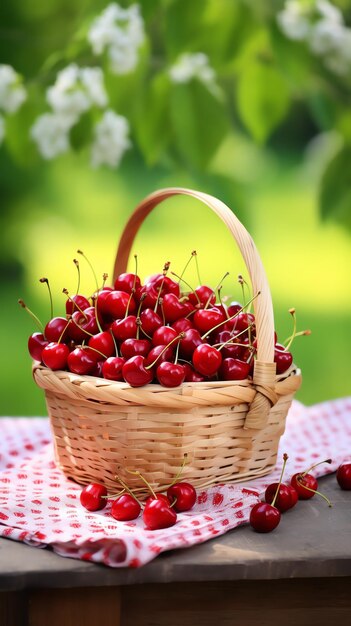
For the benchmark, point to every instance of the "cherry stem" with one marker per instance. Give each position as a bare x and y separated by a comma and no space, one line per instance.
180,336
125,486
293,314
140,325
230,318
64,330
314,491
97,288
190,287
114,495
185,458
186,265
115,342
137,473
75,305
104,279
177,353
221,301
232,341
46,280
197,267
299,334
285,458
76,263
136,272
164,272
94,350
33,316
215,289
315,465
128,303
242,283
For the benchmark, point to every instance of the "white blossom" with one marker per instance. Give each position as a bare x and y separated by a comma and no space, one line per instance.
330,12
2,129
294,20
190,66
12,92
51,134
76,90
120,32
326,36
110,140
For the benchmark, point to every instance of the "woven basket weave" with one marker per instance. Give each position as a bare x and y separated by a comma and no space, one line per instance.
230,431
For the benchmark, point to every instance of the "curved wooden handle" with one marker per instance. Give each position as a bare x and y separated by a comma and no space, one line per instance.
264,372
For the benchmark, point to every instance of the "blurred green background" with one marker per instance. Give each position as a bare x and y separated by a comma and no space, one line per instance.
273,144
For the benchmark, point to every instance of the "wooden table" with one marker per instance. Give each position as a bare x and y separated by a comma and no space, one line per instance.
298,574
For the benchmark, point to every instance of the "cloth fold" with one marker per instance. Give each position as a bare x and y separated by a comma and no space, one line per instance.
41,507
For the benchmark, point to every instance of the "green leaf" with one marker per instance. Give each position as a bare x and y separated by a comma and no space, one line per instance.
182,26
292,57
335,191
152,123
200,122
81,132
262,97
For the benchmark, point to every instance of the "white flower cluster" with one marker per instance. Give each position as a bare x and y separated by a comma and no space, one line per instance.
120,32
12,94
321,25
190,66
76,91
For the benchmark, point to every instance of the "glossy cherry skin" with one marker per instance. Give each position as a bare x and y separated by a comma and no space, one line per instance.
164,285
184,495
173,309
203,294
79,361
182,325
243,320
163,335
190,341
286,498
134,372
117,303
300,481
206,359
158,514
93,497
125,328
75,303
206,319
150,321
101,300
132,347
191,376
36,344
83,325
97,369
125,508
283,359
159,496
147,296
126,282
102,343
170,374
234,308
343,476
54,329
234,369
264,517
112,368
55,355
158,354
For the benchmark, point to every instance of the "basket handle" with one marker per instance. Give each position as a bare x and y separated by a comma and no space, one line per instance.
265,368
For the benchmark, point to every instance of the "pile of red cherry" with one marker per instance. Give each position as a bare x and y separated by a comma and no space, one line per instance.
152,332
280,497
159,510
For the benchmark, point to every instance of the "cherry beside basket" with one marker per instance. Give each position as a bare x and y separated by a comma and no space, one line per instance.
229,431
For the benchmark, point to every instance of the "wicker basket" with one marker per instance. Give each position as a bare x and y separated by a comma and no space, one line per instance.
230,431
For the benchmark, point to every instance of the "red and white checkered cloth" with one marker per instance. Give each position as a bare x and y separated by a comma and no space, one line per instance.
39,506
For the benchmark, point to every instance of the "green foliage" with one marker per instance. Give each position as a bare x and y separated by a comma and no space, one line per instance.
335,192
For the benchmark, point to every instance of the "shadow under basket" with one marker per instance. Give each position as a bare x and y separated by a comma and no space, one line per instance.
228,430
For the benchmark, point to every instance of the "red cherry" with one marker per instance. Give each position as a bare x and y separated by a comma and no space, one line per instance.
102,342
36,344
147,296
283,359
159,496
158,514
127,282
286,498
93,497
79,361
55,355
206,359
54,329
234,369
112,368
170,374
243,321
234,308
101,300
343,476
184,495
97,370
189,342
173,309
164,285
83,324
134,372
159,354
125,508
150,321
164,335
206,319
117,303
300,481
264,517
202,295
75,303
132,347
125,328
191,376
182,325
